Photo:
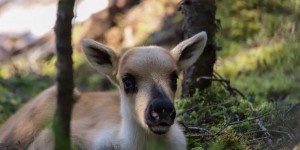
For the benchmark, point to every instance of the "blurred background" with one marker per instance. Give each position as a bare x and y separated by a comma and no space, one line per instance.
259,42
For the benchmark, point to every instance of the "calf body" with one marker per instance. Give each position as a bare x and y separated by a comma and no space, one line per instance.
140,116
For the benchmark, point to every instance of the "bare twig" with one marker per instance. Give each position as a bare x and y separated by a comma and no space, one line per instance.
257,139
260,124
225,83
214,79
246,120
261,131
196,128
237,123
187,110
291,109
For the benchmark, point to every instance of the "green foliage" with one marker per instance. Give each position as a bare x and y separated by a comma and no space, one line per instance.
16,90
255,22
222,114
262,61
267,71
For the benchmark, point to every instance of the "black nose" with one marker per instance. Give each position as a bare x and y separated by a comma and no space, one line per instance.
163,108
161,112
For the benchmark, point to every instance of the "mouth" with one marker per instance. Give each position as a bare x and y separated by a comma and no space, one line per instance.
160,129
160,126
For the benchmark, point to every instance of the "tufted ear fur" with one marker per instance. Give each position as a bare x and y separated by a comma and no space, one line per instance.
188,51
101,57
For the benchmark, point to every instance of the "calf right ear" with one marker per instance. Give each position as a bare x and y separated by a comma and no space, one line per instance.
188,51
101,57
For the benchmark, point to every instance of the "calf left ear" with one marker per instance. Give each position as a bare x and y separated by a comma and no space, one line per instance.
188,51
101,57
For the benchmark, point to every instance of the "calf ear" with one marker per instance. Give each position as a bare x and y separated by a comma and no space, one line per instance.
101,57
188,51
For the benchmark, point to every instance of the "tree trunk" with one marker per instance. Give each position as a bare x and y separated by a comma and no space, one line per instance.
199,15
65,85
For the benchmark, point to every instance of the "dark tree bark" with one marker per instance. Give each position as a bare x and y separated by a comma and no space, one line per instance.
199,15
65,85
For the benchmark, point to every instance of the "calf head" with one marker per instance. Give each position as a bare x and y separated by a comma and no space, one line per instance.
147,78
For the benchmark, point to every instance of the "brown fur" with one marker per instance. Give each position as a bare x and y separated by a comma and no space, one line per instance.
20,129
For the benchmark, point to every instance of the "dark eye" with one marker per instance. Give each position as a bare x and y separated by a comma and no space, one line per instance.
174,77
129,83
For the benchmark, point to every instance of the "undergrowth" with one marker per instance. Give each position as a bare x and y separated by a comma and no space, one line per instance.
15,91
219,118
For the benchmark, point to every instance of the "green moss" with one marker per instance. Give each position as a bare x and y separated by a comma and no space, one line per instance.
228,141
212,109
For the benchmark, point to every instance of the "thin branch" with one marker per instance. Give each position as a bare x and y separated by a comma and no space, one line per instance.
261,131
291,109
225,83
237,123
187,110
260,124
257,139
246,120
198,129
213,79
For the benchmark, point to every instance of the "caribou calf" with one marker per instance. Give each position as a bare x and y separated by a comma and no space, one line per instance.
141,116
